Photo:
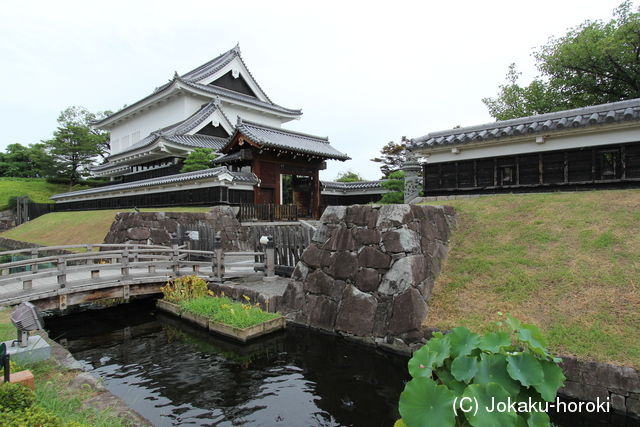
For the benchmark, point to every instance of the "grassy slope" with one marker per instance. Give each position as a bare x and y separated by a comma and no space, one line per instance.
70,228
568,262
38,190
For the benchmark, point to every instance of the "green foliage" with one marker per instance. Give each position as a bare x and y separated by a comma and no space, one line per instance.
395,187
594,63
15,397
349,176
462,370
184,289
74,149
32,416
392,157
80,116
25,162
198,159
224,310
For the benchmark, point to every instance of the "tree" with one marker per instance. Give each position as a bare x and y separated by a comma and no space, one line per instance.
594,63
392,157
395,187
349,176
19,161
515,101
73,149
198,159
80,116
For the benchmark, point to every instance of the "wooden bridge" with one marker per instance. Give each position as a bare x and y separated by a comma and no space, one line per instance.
61,276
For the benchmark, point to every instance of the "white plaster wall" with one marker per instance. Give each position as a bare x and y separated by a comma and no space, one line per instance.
165,114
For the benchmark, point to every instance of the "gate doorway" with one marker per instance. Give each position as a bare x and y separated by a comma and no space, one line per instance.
296,190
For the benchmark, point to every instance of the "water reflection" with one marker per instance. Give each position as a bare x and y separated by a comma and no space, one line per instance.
176,374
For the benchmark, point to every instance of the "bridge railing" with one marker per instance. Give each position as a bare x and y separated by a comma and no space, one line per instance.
96,258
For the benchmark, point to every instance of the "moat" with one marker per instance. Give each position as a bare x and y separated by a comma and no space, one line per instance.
176,374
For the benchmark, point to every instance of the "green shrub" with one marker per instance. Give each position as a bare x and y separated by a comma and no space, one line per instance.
33,416
499,379
184,289
15,397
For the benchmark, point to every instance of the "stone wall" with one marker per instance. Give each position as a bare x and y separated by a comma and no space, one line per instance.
369,271
590,381
156,228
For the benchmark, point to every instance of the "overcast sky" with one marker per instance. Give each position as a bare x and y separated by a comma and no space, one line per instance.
363,73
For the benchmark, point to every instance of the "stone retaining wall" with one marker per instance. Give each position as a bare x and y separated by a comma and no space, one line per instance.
369,271
590,381
156,228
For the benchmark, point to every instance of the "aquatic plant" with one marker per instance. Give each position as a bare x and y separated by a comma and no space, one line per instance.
499,379
224,310
185,288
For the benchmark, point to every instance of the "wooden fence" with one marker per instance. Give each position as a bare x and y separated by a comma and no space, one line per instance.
290,242
267,212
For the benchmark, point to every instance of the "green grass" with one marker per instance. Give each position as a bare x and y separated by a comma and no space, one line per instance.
37,189
51,390
224,310
567,262
70,228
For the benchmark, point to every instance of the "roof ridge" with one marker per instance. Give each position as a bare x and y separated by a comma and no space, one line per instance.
242,122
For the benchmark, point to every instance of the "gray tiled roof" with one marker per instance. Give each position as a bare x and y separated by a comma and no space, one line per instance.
194,76
597,115
351,186
215,90
239,177
176,132
281,139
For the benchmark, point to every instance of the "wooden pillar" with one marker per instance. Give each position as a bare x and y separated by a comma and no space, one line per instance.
315,194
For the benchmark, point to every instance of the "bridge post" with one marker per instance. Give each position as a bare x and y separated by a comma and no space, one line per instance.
175,259
124,270
62,272
34,255
271,258
217,247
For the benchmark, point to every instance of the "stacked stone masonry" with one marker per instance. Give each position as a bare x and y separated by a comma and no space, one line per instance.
158,228
592,381
370,270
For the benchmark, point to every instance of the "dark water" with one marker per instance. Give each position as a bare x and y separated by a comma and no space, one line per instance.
175,374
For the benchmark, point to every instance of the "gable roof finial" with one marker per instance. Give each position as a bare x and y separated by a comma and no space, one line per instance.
236,49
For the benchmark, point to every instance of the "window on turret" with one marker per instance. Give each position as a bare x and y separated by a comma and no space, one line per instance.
236,84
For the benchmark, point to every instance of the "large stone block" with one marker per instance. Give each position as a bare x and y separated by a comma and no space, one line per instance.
159,237
334,215
381,320
393,216
321,312
344,265
402,240
357,312
409,311
405,273
368,280
318,283
371,257
365,237
316,257
141,233
293,297
341,240
612,377
358,215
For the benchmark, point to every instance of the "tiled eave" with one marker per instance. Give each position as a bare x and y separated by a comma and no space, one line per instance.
192,179
286,141
568,122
